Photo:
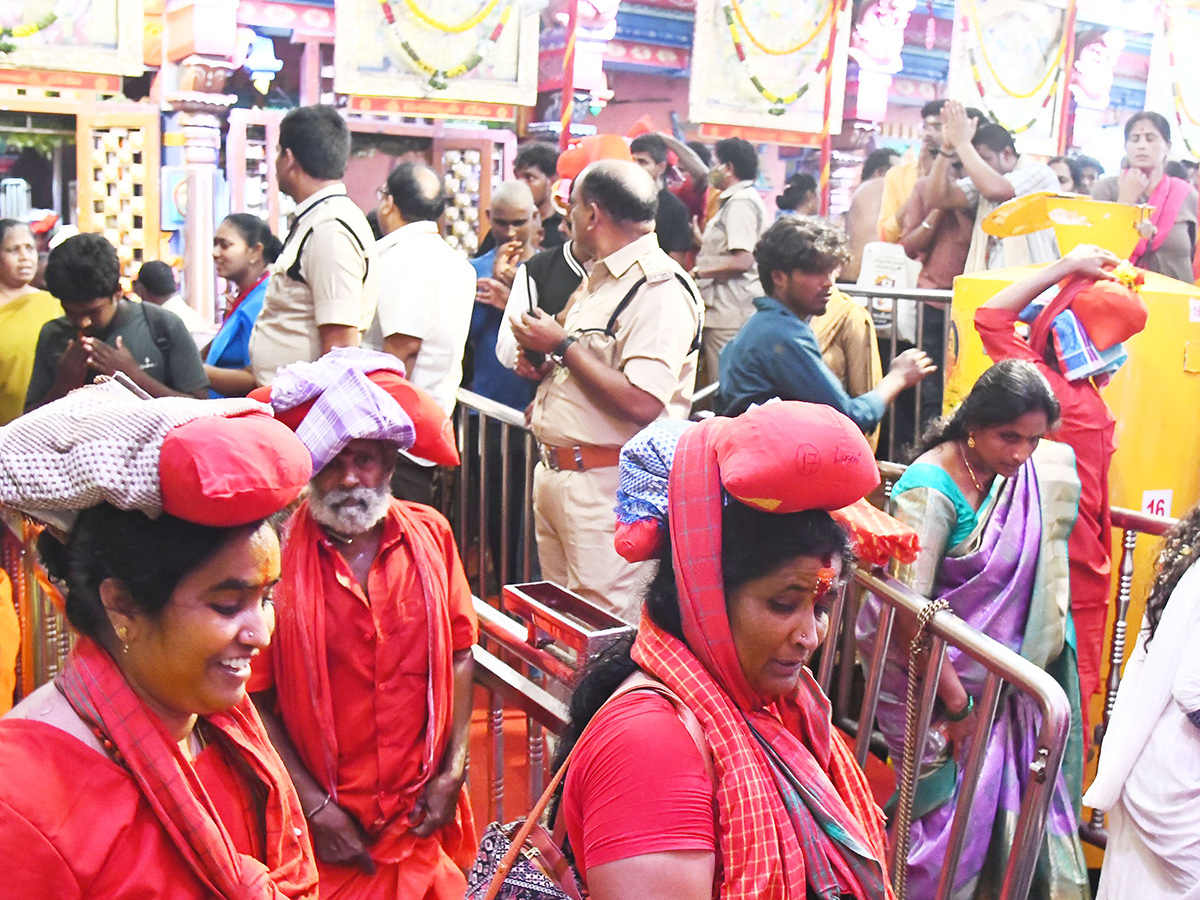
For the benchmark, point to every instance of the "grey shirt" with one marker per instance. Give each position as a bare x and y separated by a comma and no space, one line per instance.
163,349
1174,256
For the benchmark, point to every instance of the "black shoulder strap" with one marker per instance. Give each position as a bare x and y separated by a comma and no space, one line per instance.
157,327
293,271
610,328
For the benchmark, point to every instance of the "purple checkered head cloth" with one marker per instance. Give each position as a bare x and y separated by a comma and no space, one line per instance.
349,406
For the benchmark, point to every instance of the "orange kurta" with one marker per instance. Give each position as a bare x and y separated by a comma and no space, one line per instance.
83,828
380,661
10,643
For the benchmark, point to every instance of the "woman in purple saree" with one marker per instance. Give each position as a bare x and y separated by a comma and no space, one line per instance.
993,506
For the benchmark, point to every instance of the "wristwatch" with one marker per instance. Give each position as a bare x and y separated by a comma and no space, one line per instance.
560,352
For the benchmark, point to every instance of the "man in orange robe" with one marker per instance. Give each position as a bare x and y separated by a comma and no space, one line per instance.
366,688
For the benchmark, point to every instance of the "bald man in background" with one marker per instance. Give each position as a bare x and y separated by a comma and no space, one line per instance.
624,356
514,222
426,294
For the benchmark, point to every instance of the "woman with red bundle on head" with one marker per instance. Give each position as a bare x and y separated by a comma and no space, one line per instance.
143,770
724,775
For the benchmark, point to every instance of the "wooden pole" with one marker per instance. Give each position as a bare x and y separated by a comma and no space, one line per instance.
1064,109
826,126
568,79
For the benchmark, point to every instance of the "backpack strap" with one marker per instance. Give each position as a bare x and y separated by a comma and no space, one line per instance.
638,681
156,324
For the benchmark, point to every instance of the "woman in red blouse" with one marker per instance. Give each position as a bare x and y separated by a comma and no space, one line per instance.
769,802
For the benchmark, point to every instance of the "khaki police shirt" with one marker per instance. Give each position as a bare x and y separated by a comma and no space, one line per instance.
739,223
652,344
338,288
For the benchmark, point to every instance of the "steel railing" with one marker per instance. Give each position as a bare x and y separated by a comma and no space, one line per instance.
883,302
1005,668
1131,524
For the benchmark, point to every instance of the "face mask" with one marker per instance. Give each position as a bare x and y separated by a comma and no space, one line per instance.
715,178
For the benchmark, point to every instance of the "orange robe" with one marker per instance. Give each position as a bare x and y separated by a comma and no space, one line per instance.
10,643
365,688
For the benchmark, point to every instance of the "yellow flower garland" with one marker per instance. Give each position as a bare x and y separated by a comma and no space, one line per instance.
465,25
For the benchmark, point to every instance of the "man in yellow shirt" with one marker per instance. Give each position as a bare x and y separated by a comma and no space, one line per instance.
899,181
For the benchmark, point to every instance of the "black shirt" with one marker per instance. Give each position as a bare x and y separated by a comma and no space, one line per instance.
555,274
672,224
175,364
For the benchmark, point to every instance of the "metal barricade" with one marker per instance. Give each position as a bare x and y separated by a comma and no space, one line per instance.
1005,668
1131,524
527,660
927,397
491,503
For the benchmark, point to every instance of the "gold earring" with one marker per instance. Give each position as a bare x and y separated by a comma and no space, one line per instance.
971,441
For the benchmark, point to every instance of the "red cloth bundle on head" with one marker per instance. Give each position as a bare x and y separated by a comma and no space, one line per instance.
1108,310
791,456
782,457
226,472
221,463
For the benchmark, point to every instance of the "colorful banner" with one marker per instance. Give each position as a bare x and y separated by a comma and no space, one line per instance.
1008,58
461,50
102,36
762,64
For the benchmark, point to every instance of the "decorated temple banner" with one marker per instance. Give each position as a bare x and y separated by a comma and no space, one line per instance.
1173,85
763,64
1008,58
482,51
100,36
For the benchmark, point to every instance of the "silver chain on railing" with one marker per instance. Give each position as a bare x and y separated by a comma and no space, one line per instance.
901,826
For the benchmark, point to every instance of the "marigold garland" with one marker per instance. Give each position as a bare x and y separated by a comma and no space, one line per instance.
486,10
779,103
1181,108
439,79
23,31
972,14
771,51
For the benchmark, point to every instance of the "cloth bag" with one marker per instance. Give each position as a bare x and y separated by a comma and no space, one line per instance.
522,860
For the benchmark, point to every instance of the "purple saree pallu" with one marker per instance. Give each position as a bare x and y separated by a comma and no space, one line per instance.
991,588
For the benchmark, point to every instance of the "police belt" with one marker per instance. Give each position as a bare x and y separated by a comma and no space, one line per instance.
579,458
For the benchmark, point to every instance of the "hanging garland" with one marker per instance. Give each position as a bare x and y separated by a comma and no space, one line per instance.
466,25
1053,77
795,48
1054,70
779,102
439,79
23,31
1181,107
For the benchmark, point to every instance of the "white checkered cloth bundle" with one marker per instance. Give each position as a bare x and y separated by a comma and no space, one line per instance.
100,443
349,406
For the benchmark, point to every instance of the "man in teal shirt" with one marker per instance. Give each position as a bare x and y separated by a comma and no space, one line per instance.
776,353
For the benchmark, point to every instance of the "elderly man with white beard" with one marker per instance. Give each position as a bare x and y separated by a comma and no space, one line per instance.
366,687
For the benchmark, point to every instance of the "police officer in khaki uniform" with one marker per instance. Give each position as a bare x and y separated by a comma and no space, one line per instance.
624,355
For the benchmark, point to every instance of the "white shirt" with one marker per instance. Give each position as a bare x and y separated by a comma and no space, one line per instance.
200,331
426,291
